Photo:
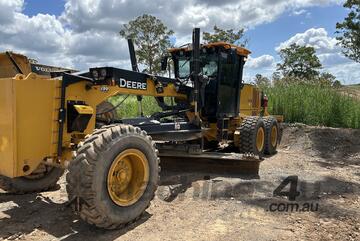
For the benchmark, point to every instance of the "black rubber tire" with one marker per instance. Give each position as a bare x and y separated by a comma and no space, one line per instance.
87,176
269,123
22,185
248,132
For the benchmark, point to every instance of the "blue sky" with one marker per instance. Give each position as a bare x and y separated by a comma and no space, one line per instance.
84,33
290,24
53,7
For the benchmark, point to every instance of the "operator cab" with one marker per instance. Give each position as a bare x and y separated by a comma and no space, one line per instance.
221,66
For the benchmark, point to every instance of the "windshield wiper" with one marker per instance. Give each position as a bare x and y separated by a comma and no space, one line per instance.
185,63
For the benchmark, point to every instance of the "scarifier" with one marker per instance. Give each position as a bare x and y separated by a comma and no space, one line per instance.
53,118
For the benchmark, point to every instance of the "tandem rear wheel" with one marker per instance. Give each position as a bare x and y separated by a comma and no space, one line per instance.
259,135
272,135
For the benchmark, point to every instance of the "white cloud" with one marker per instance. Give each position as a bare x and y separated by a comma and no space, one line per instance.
329,53
8,8
46,38
315,37
41,33
264,65
264,61
180,15
299,12
41,37
86,33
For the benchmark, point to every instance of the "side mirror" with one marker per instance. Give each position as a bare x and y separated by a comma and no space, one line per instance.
164,63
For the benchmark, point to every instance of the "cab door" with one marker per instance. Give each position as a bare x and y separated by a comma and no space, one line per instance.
229,84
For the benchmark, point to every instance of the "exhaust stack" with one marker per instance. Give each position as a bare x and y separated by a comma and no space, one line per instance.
196,70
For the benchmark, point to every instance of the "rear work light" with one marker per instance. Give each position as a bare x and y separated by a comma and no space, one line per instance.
264,100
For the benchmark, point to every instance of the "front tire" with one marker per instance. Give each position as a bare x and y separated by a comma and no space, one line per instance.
114,176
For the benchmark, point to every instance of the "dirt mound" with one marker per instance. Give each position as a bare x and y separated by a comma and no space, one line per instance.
332,144
351,90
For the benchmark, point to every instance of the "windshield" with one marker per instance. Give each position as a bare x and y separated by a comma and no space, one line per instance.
209,66
210,69
184,68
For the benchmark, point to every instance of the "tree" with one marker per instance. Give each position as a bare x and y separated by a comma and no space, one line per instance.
152,39
276,78
299,62
262,82
349,31
225,35
327,79
337,84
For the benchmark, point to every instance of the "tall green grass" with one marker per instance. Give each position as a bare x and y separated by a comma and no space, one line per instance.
308,104
129,108
314,105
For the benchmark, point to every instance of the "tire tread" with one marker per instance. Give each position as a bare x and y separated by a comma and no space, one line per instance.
84,164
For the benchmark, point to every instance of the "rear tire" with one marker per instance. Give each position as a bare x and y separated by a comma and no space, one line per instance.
30,184
252,135
272,135
88,177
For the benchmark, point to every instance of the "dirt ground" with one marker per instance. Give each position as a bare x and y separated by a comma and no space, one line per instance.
213,206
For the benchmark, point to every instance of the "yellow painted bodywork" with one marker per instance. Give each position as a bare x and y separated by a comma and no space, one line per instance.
250,100
28,119
7,68
83,109
94,95
29,106
27,123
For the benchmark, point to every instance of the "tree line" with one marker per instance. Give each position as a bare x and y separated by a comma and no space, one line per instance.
298,64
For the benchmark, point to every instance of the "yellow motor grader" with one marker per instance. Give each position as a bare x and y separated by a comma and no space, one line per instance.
49,121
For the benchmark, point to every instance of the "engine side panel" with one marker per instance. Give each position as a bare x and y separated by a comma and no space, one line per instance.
28,123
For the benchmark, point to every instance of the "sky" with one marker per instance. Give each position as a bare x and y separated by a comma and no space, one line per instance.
84,33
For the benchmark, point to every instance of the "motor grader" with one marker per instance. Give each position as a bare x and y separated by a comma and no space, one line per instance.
49,121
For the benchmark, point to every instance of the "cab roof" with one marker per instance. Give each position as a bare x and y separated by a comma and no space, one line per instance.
240,50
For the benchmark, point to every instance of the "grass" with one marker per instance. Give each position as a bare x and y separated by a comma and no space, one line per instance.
314,105
129,108
306,104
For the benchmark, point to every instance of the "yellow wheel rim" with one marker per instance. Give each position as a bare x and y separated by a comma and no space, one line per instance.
128,177
260,139
274,134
